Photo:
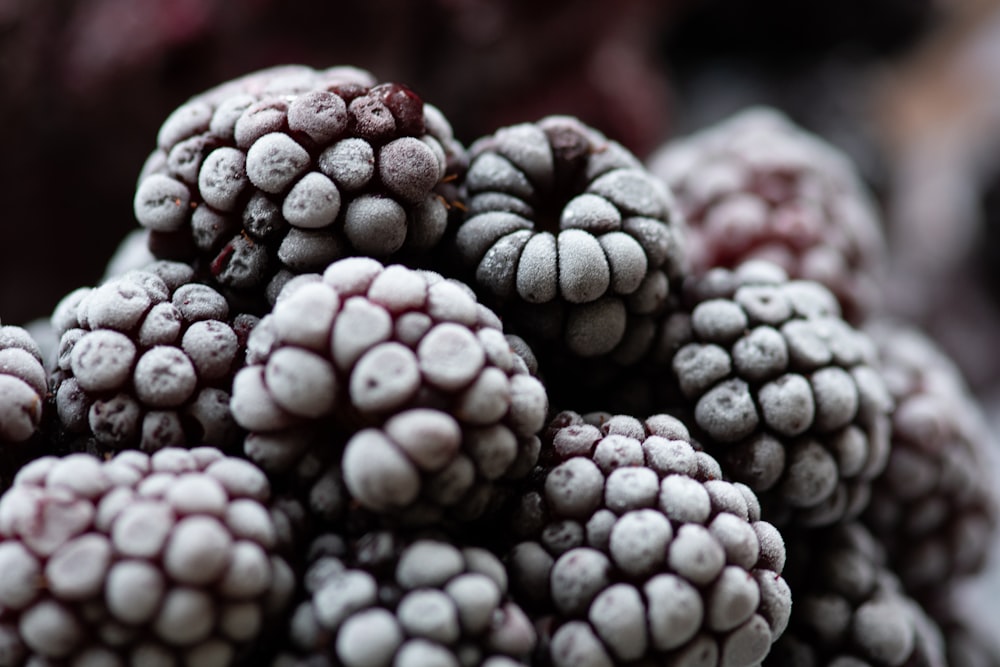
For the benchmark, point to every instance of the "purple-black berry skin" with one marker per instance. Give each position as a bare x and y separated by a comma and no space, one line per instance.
146,360
934,508
172,556
406,600
244,172
756,186
570,238
23,385
400,380
783,391
849,606
631,547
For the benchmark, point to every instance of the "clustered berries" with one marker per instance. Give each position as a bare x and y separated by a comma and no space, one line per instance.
147,360
407,601
285,170
365,398
139,559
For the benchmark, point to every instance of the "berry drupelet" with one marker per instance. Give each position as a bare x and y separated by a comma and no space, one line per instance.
756,186
146,360
163,559
634,550
781,389
23,399
934,508
849,608
409,601
282,171
399,380
569,238
23,385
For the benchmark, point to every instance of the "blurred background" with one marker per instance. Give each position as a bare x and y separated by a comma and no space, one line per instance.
910,89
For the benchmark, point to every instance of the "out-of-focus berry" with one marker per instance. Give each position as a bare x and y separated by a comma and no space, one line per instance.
756,186
934,509
282,171
162,559
408,601
849,607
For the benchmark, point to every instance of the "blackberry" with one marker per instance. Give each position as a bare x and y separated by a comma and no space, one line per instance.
934,508
569,238
756,186
399,380
782,391
634,550
849,608
146,360
282,171
408,601
162,559
23,385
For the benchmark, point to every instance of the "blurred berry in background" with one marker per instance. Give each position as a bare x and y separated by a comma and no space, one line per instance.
908,90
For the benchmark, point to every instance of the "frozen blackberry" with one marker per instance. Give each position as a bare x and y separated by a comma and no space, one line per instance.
398,379
634,551
146,360
781,390
386,599
282,171
162,559
934,508
849,608
756,186
23,385
569,238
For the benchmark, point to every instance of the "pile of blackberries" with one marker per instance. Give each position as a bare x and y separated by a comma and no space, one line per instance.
367,397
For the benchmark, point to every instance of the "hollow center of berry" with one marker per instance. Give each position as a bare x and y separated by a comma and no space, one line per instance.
570,153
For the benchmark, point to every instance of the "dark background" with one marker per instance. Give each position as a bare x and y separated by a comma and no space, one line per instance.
905,87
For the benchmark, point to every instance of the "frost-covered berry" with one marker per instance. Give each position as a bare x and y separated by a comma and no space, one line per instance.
934,508
634,550
781,389
756,186
849,608
146,360
407,601
23,385
400,380
163,559
282,171
568,236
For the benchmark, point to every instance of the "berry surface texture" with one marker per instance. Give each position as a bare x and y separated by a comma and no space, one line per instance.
480,334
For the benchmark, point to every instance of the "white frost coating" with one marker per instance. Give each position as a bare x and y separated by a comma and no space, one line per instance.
384,378
584,273
312,203
428,563
302,382
350,163
450,356
377,473
274,161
